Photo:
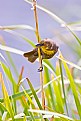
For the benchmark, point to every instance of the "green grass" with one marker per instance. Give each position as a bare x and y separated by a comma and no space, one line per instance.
59,82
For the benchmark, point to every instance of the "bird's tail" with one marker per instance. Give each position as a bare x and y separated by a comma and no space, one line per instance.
31,56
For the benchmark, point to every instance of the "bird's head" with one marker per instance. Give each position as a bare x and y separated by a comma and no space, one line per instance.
48,44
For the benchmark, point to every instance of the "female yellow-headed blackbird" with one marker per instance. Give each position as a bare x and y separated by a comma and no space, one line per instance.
47,48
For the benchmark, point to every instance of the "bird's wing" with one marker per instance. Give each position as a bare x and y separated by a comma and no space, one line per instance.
33,52
32,55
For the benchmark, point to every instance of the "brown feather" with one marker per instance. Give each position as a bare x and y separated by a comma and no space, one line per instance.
32,58
32,55
27,54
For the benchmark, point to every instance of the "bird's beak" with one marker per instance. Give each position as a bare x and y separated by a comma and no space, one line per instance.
39,44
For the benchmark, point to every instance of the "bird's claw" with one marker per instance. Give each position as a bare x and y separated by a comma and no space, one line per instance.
40,69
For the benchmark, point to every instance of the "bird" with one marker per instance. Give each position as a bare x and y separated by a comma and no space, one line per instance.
48,49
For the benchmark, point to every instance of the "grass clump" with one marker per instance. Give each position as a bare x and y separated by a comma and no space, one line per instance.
57,83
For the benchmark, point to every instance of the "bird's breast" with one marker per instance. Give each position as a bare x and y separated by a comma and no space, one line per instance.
47,52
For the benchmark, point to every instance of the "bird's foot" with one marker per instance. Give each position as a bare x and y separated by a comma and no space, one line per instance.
40,69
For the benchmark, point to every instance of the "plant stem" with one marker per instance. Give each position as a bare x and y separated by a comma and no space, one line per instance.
39,54
63,87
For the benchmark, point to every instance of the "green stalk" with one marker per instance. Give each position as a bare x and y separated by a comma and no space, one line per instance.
63,87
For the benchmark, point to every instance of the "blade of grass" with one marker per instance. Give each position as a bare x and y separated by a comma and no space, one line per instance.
76,37
51,114
13,50
12,63
6,98
19,79
69,63
48,64
29,98
73,87
27,106
9,74
74,23
2,58
16,27
57,71
18,95
2,108
58,94
21,36
63,87
34,94
58,97
75,28
58,80
4,116
51,93
19,117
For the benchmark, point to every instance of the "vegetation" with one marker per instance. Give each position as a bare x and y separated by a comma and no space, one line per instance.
57,83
